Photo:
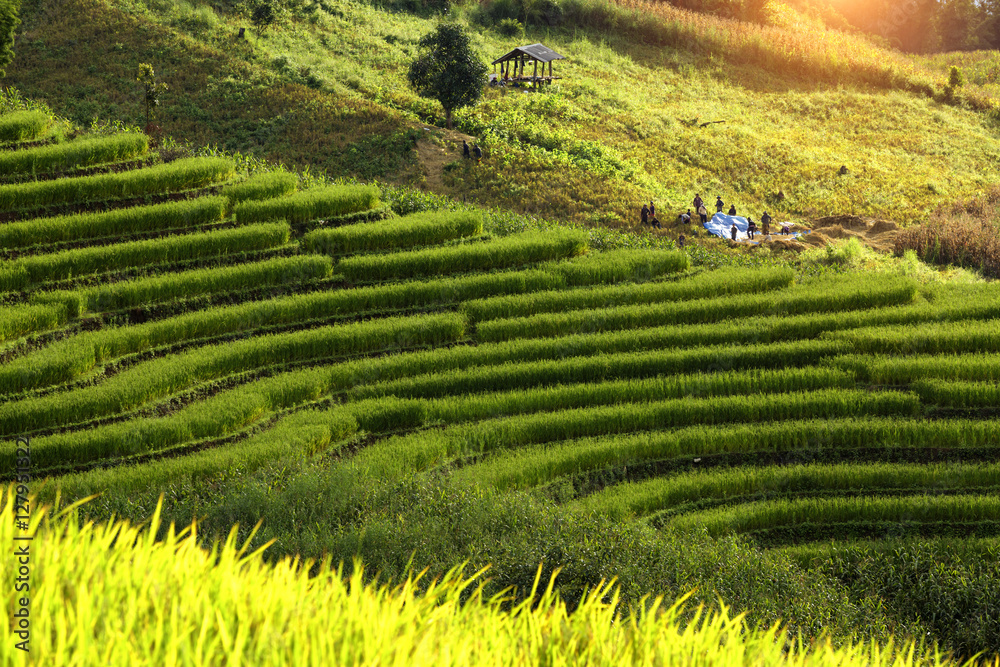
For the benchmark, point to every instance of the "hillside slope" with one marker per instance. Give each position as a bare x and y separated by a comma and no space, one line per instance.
327,90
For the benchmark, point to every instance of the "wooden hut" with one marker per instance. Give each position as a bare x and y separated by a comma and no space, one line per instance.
513,64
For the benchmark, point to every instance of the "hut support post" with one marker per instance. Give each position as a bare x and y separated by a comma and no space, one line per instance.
535,76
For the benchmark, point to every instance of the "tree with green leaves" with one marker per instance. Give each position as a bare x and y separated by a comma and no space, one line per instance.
8,24
152,89
447,70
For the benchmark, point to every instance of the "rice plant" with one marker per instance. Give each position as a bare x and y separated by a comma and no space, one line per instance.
915,509
186,284
418,229
502,253
399,456
700,286
266,185
117,222
531,466
179,175
72,154
162,376
751,484
849,295
418,622
314,204
16,321
68,359
23,125
931,338
879,369
21,273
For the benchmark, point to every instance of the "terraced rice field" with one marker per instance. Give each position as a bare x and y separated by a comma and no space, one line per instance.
161,323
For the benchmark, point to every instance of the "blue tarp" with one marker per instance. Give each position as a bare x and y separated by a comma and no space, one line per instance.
722,225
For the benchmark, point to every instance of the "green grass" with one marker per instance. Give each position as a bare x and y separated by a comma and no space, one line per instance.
532,466
39,269
78,153
23,125
239,589
418,229
501,253
175,176
746,484
186,284
118,222
314,204
799,102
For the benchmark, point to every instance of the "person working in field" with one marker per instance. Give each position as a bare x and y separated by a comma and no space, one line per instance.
732,210
465,150
719,205
644,214
698,203
751,228
734,231
703,214
653,222
680,241
478,152
765,223
652,209
684,218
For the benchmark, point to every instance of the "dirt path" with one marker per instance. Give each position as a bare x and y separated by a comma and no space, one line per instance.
437,149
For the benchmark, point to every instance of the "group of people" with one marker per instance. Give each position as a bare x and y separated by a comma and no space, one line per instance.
476,150
648,216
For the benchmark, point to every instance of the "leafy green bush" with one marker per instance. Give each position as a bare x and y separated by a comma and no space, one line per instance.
510,28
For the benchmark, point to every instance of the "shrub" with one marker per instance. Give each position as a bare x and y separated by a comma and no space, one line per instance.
510,28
